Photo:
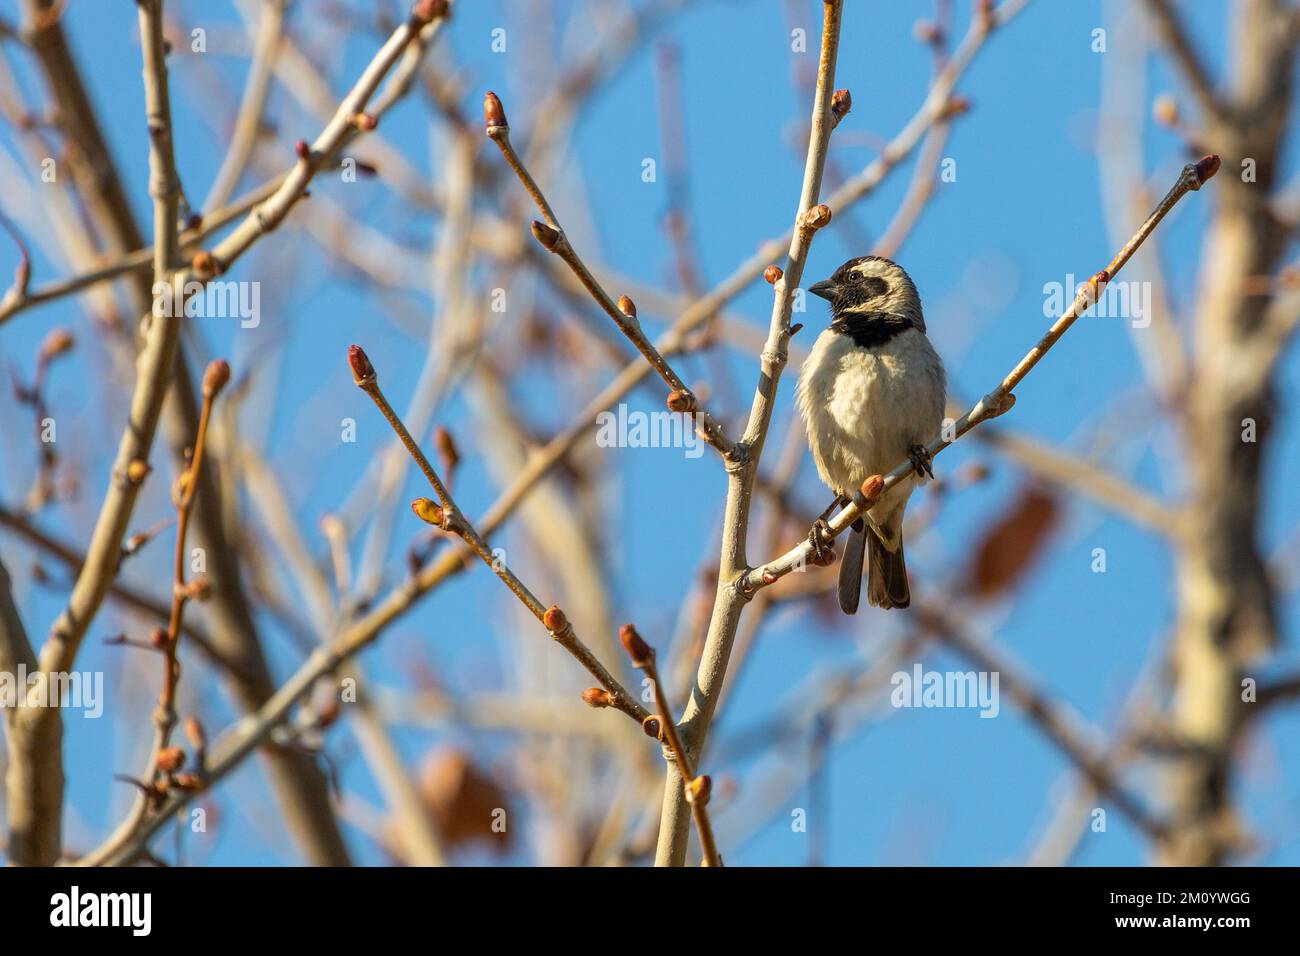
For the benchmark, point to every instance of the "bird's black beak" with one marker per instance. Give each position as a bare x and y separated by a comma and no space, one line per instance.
824,289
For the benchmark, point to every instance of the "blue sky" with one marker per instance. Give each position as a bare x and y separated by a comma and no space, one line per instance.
922,787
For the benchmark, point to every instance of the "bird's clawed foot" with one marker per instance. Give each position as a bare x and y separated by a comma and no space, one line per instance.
823,543
921,460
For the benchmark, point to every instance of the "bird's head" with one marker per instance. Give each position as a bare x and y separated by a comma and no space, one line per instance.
870,284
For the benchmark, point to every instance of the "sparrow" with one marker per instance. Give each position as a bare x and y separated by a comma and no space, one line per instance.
871,395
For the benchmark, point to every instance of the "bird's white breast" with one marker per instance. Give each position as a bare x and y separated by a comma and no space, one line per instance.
864,408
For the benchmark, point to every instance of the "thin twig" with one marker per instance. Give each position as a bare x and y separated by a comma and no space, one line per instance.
248,121
164,760
128,596
553,239
448,516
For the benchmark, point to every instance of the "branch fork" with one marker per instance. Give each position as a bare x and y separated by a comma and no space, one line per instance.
696,789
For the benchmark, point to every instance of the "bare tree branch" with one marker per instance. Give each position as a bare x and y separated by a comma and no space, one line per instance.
741,473
138,259
553,239
448,516
248,122
34,777
147,605
1227,613
1078,474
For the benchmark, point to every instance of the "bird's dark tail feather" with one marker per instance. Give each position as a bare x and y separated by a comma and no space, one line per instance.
886,577
855,544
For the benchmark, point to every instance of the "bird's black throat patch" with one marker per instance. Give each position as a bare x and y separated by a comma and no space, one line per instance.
871,329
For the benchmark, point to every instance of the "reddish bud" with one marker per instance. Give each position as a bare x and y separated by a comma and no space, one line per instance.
426,11
181,486
188,781
927,31
170,758
627,306
773,274
651,726
841,103
872,487
548,236
494,114
328,712
200,589
999,404
700,789
137,471
198,737
194,222
57,342
429,512
365,122
447,450
205,263
554,619
680,400
363,373
637,649
597,697
302,150
1206,168
215,378
956,106
817,217
158,637
1165,110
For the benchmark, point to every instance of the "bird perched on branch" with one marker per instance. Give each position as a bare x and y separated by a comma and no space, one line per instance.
871,395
